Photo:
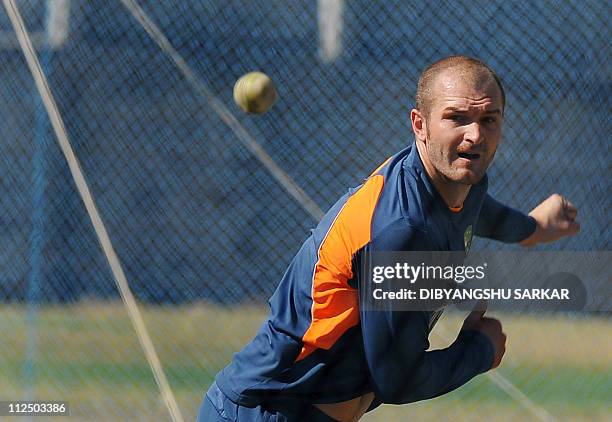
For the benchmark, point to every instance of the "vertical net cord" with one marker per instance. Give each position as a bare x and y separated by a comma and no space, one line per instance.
222,111
37,235
83,189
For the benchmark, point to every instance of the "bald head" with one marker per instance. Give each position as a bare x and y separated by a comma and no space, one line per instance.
465,68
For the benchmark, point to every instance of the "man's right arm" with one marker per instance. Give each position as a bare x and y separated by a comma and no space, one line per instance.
505,224
551,220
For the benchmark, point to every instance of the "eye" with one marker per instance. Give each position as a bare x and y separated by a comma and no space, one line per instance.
457,118
490,119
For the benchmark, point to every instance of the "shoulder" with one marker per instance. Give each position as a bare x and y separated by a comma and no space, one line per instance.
387,202
404,198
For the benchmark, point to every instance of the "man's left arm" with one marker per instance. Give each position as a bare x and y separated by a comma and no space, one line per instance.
551,220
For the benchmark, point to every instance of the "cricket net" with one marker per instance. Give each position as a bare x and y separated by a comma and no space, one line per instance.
205,206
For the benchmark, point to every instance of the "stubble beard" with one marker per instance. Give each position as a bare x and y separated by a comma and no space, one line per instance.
449,174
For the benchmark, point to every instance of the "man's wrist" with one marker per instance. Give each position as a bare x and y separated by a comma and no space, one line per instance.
478,344
533,238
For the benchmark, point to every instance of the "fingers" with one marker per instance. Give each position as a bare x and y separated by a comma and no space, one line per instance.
569,210
499,354
573,228
498,338
481,305
569,213
477,313
479,309
490,327
474,317
494,323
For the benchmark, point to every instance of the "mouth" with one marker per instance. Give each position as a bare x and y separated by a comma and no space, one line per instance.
468,156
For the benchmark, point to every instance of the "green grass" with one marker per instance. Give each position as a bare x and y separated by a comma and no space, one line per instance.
88,354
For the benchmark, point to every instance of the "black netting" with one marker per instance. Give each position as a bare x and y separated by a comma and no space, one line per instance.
195,216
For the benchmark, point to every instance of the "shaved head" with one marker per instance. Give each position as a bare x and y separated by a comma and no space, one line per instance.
465,68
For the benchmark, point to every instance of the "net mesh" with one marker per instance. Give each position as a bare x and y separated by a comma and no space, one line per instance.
205,230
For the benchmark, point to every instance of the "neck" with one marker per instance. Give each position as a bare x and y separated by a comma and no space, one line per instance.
452,193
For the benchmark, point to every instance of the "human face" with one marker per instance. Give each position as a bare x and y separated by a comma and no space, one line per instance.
463,128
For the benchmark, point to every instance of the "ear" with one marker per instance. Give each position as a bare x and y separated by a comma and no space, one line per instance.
419,125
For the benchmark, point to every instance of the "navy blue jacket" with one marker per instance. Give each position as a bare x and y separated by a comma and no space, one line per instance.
319,345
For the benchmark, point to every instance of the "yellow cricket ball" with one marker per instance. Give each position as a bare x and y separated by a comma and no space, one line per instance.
255,92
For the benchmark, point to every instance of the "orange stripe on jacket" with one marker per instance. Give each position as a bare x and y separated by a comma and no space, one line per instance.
381,166
335,305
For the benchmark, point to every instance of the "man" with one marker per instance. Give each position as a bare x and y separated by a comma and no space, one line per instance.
320,356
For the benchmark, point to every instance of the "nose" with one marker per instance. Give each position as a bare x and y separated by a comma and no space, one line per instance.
474,133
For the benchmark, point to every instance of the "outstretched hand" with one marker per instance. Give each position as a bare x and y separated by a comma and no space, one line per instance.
555,218
490,327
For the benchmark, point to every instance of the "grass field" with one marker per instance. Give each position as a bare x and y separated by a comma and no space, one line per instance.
88,355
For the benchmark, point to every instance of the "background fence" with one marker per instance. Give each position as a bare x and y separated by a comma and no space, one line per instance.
203,228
